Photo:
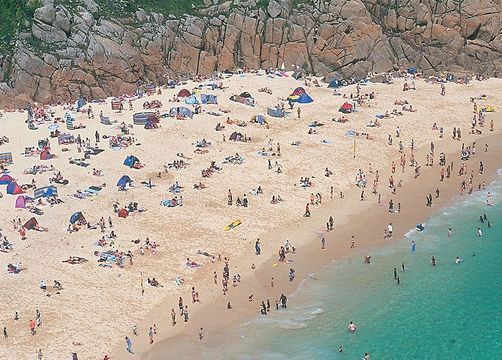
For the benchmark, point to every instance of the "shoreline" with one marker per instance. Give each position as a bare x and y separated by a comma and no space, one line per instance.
309,258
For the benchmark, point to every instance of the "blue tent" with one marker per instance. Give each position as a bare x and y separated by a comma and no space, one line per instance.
304,99
180,111
45,191
208,99
334,84
78,216
192,100
80,103
259,119
275,112
131,161
412,70
123,181
14,189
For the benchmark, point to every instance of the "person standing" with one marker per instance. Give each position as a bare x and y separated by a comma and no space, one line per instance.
39,354
32,327
173,317
200,334
129,345
180,304
150,335
323,243
38,318
5,335
185,313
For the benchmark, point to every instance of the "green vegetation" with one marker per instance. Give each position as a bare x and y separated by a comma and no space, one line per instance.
262,4
15,15
124,8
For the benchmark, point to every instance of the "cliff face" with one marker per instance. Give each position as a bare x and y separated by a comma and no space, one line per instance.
77,51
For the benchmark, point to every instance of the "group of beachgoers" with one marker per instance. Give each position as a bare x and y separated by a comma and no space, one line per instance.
272,149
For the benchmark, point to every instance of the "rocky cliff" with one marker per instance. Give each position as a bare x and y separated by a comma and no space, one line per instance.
71,48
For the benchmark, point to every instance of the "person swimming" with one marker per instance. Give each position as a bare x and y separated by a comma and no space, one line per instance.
458,260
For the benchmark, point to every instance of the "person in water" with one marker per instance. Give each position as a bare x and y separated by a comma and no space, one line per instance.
352,327
433,261
458,260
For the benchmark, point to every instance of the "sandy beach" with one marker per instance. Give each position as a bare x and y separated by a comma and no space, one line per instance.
99,305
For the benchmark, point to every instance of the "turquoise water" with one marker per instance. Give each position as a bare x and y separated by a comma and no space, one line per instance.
451,311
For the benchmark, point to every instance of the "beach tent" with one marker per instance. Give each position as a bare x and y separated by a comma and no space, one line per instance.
192,100
6,158
298,91
116,104
45,191
180,111
66,139
208,99
245,94
304,99
259,119
242,99
236,136
123,181
46,155
77,217
123,213
142,118
21,202
14,189
412,70
184,93
275,112
105,120
346,108
5,179
80,103
131,161
334,84
31,224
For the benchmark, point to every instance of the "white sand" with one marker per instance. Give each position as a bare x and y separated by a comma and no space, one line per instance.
99,305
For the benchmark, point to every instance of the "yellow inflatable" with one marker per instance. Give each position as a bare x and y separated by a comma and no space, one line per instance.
490,108
232,225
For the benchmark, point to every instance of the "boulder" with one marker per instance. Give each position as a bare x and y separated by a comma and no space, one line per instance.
46,14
